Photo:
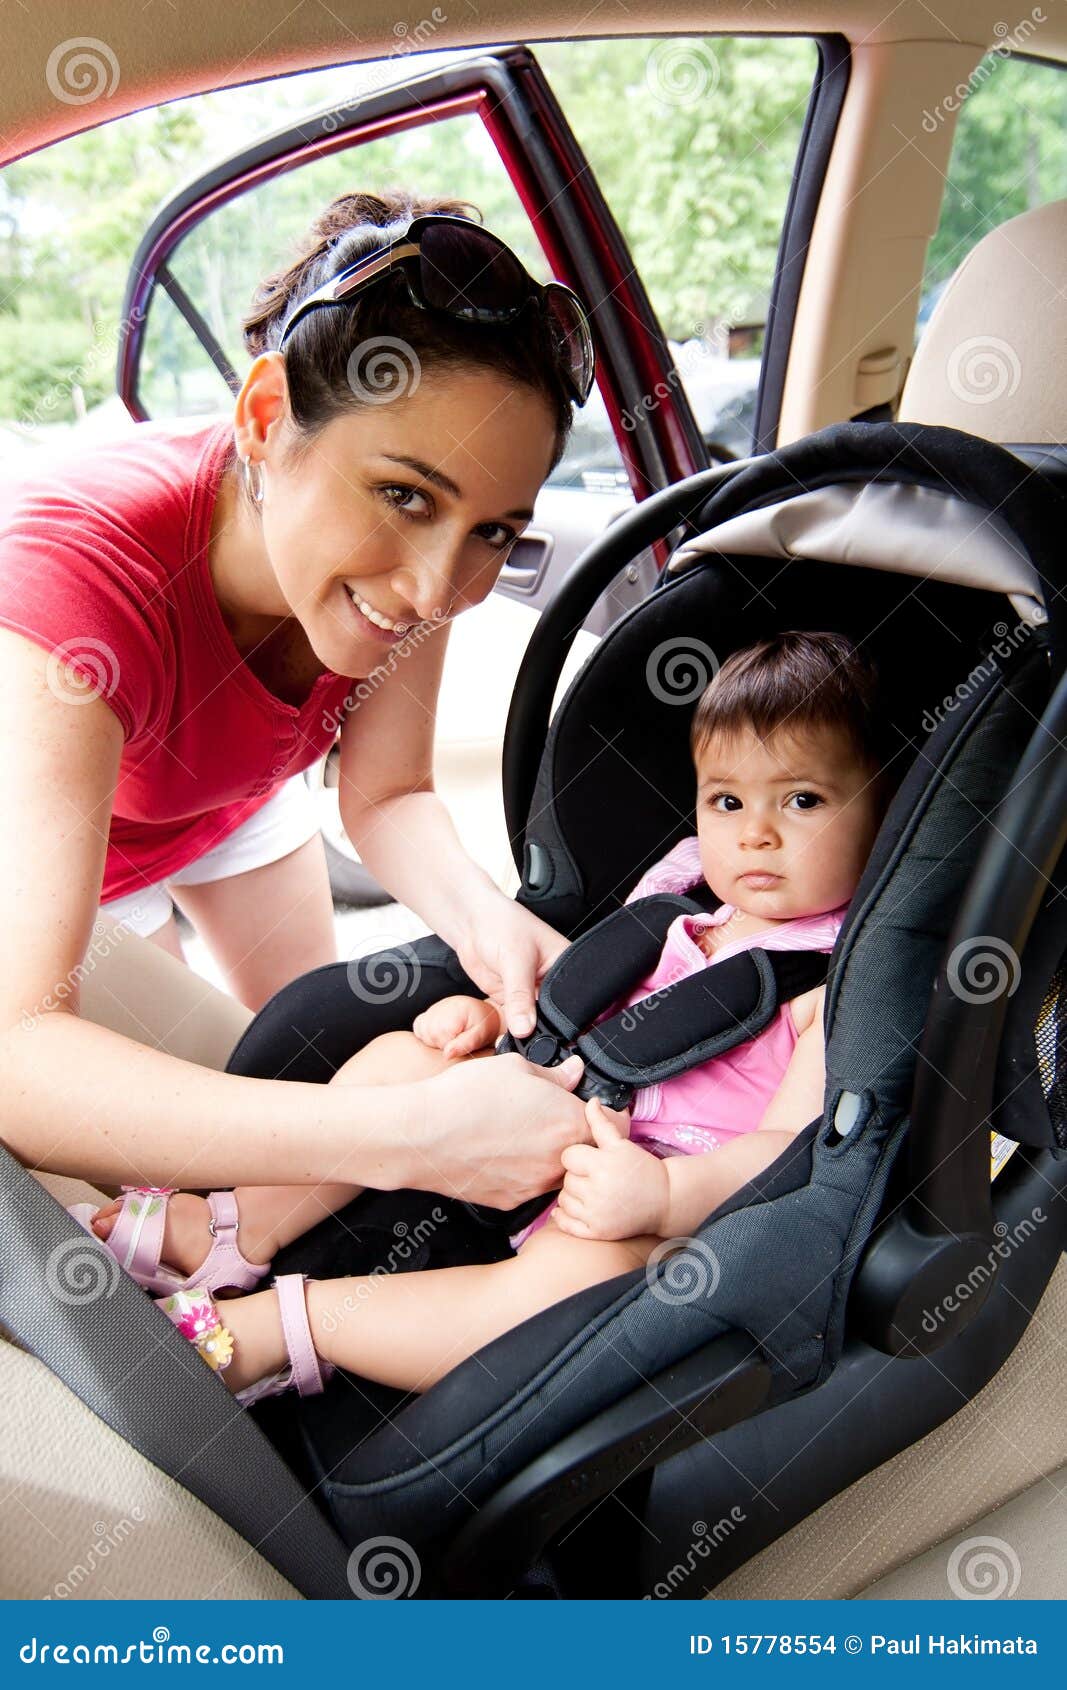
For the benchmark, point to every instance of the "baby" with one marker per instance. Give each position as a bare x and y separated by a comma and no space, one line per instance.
790,792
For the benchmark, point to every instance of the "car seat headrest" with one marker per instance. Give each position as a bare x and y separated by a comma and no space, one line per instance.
993,359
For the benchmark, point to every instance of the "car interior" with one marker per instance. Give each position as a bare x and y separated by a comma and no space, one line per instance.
851,1455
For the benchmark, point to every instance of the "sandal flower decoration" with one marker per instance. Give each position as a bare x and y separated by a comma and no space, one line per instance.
197,1318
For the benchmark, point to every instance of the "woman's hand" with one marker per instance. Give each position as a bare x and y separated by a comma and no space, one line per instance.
506,951
456,1026
494,1132
613,1189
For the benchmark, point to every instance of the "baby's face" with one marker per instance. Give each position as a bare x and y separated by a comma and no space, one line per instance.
785,824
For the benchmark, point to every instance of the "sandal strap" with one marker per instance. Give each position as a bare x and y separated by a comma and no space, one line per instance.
225,1263
136,1239
309,1374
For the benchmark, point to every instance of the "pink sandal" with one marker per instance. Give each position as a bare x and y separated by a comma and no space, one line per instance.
197,1317
136,1242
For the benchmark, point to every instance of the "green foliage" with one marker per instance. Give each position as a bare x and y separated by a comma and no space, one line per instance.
1009,155
692,142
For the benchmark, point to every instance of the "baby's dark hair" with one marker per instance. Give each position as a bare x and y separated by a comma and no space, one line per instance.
319,351
796,681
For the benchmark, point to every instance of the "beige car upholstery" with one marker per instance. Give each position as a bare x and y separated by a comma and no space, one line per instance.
139,990
993,359
1018,1552
83,1515
1009,1440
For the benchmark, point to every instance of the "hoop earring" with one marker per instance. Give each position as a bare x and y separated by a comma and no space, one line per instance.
254,480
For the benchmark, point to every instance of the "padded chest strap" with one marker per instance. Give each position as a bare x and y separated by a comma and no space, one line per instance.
673,1029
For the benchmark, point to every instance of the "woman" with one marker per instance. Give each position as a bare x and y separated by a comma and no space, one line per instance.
183,613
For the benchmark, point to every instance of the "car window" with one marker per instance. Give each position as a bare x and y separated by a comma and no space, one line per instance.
70,217
1009,154
725,115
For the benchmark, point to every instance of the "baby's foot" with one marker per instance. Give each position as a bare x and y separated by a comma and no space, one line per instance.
187,1236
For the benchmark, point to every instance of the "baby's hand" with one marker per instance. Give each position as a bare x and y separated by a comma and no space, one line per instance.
457,1025
615,1190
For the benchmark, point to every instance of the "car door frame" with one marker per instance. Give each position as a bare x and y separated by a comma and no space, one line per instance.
582,242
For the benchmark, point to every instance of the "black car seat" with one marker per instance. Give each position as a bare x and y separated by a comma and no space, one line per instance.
747,1405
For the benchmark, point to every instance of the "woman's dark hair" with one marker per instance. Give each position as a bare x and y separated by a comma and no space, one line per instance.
322,382
795,681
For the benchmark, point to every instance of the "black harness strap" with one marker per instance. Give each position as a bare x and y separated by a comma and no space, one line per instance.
707,1013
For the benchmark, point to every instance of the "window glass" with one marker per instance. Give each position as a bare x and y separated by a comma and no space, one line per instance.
699,189
1009,154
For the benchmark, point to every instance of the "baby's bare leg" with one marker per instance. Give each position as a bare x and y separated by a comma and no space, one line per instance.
276,1214
409,1329
271,1216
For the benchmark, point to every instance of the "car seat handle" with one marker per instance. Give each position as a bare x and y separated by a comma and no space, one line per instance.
562,618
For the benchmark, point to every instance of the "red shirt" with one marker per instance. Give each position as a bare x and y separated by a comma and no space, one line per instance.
104,553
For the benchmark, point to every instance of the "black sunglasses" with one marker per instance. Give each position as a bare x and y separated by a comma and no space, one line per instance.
451,264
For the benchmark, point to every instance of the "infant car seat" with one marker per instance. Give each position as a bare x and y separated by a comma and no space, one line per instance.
872,1280
652,1434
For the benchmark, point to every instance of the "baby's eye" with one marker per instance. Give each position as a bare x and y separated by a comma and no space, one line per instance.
724,802
805,800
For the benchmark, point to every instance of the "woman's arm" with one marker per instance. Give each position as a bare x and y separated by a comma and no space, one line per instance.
405,836
390,811
80,1099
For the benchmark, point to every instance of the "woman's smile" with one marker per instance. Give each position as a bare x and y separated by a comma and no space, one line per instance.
372,630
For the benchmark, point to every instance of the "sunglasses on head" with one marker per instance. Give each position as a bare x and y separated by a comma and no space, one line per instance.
453,265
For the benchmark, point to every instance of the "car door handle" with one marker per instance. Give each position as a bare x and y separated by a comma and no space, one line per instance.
526,565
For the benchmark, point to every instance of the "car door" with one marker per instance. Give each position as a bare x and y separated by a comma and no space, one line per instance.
181,353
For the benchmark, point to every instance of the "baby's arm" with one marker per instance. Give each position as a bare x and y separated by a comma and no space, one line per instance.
698,1184
618,1190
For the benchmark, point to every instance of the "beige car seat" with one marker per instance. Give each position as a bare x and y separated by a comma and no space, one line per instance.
991,361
